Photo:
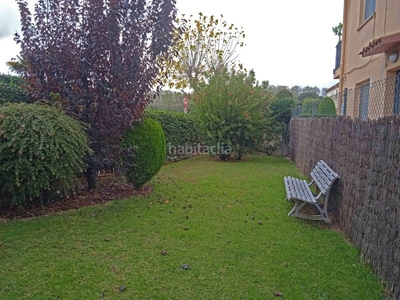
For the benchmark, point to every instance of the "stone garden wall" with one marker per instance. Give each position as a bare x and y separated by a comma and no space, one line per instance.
366,199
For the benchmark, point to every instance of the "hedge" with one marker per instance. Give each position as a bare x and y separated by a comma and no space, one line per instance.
180,129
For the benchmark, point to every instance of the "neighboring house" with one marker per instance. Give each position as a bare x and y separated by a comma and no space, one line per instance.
333,93
367,61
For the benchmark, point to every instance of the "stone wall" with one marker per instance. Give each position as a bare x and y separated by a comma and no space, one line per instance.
366,199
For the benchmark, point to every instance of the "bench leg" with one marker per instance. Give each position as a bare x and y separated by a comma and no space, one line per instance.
298,205
295,212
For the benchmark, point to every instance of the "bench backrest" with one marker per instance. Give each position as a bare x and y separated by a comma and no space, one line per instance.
324,176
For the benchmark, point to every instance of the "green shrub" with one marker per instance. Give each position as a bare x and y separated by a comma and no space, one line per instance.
281,113
12,90
233,112
149,155
327,108
40,149
180,129
310,107
281,109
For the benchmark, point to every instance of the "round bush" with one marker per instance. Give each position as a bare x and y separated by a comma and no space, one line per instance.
40,148
149,155
327,107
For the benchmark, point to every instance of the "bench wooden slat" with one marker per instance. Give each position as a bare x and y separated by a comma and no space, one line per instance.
299,191
323,176
320,179
305,192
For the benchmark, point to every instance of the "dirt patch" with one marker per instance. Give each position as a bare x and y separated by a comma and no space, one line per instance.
231,159
109,188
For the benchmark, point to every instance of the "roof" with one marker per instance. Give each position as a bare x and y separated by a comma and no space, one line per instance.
333,87
382,44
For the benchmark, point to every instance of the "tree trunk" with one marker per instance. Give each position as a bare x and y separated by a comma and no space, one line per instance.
224,157
91,176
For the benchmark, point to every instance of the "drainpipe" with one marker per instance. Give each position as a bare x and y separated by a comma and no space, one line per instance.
346,5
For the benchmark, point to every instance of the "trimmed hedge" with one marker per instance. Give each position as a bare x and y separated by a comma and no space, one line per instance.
148,139
327,107
41,149
180,130
11,90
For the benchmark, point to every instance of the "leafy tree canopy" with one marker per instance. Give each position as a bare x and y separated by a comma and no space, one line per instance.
310,95
297,90
202,45
18,66
169,100
101,57
283,94
337,30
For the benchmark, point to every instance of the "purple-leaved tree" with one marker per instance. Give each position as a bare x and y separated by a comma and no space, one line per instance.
101,57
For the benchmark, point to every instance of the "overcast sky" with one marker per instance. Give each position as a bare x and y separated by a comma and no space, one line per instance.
288,42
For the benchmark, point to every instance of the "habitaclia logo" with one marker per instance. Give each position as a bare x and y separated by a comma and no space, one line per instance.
187,149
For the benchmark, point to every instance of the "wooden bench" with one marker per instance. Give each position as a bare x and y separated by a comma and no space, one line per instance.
299,191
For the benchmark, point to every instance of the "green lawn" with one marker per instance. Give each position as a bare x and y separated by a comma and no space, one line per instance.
226,220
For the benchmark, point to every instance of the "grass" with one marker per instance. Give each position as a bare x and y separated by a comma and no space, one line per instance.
226,220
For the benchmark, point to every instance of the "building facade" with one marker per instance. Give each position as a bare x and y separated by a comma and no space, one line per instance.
367,62
333,93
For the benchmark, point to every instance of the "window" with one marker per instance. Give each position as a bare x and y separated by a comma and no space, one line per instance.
364,101
369,8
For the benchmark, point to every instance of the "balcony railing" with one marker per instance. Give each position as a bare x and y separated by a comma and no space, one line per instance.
338,55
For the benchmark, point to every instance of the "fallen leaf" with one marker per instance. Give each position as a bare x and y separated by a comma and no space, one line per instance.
166,201
163,252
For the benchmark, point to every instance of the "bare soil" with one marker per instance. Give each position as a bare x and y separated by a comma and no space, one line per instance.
109,188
